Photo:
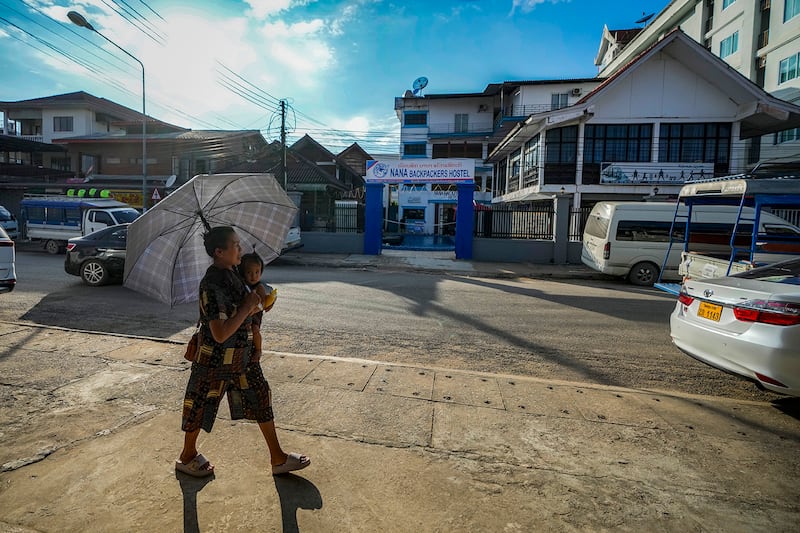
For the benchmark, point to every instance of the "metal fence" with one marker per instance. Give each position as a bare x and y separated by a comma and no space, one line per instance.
510,223
349,217
790,215
577,222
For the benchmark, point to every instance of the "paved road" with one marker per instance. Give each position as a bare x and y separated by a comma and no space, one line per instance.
602,332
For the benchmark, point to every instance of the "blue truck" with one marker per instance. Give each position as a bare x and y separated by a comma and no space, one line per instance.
53,220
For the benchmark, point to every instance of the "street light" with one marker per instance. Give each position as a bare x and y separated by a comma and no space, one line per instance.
80,20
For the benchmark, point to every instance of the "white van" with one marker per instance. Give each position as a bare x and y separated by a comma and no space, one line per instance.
9,223
631,239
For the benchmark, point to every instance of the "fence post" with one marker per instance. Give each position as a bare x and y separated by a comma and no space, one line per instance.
373,217
465,217
561,234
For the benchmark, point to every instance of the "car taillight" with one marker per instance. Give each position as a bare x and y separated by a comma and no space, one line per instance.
607,250
70,246
685,299
768,312
7,243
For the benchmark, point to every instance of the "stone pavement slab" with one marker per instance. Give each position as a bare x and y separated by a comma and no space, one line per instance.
91,447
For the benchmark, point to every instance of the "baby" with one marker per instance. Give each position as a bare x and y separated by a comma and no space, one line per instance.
251,268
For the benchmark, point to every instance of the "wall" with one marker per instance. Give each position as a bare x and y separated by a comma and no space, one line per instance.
332,243
490,250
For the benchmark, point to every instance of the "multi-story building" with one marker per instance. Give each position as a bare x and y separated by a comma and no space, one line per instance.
758,38
61,116
470,125
675,112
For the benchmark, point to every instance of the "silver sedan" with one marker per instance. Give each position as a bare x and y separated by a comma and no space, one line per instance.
747,324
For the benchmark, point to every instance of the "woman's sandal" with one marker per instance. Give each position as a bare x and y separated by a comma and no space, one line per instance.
294,461
197,467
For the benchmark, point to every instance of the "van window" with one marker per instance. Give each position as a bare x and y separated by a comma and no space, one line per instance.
35,214
597,226
770,229
126,215
55,214
101,217
73,215
647,230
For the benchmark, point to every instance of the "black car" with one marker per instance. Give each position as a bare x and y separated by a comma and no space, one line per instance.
99,257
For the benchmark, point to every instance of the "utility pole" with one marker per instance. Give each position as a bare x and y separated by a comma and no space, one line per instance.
283,146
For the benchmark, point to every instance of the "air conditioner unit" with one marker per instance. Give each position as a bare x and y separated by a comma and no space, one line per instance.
576,91
482,108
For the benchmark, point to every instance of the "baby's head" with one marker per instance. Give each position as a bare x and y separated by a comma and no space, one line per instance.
251,268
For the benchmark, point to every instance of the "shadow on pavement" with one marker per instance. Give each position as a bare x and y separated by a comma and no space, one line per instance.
295,493
788,406
190,486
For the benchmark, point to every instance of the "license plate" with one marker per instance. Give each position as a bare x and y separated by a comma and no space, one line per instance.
709,311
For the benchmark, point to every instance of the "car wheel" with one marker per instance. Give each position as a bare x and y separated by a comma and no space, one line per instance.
52,247
643,274
94,273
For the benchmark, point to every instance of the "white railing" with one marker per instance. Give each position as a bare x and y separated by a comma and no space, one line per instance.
36,138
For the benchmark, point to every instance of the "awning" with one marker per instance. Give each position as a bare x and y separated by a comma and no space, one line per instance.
532,197
12,143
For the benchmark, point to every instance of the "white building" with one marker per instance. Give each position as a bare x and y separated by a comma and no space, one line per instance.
66,115
673,113
758,38
470,125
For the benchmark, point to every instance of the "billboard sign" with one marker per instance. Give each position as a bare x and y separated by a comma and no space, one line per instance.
652,173
421,171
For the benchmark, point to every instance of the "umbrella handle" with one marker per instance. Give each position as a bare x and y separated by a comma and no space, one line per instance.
203,219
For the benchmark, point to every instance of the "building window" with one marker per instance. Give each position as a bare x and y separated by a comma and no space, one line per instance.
558,100
788,68
500,177
62,124
530,156
729,45
61,163
726,3
791,8
462,123
415,119
695,143
610,143
787,135
415,149
561,145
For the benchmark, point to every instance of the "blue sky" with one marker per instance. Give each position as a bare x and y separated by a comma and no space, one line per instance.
222,64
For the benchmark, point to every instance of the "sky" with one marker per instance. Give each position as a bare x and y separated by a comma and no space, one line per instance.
338,64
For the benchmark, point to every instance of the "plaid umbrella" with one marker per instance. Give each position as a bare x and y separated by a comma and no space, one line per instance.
165,256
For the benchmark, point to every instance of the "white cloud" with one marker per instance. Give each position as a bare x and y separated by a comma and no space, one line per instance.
262,9
300,47
526,6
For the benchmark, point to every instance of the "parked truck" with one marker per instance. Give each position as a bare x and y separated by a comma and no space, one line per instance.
53,220
755,236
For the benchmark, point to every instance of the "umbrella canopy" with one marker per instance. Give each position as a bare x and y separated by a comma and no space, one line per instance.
165,256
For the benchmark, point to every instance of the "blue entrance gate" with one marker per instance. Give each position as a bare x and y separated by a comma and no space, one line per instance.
464,180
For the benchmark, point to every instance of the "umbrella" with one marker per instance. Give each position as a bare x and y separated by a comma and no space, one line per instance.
165,256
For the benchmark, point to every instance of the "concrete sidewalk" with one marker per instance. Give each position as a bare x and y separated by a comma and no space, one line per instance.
439,262
90,432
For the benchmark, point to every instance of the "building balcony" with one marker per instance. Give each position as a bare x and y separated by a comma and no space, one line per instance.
35,138
452,129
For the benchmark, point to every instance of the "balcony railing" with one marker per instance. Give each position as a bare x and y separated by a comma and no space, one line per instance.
36,138
763,39
451,129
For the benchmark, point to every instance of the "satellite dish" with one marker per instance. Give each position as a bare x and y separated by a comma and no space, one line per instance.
644,18
171,181
419,84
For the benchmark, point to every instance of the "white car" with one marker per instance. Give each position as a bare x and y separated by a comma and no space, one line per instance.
8,275
747,324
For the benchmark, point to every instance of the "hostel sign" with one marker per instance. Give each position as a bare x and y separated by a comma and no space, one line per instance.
421,171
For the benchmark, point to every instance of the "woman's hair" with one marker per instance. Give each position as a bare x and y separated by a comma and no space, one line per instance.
251,258
217,237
